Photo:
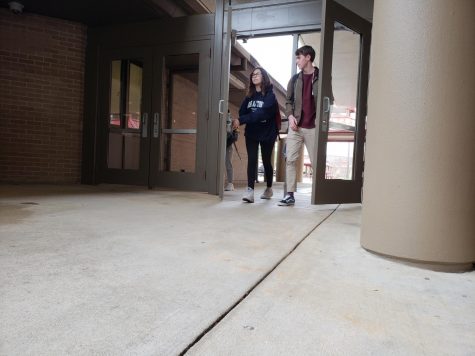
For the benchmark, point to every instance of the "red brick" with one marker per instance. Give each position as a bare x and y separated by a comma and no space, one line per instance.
42,63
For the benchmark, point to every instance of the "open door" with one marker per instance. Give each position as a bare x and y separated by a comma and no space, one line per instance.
342,106
224,100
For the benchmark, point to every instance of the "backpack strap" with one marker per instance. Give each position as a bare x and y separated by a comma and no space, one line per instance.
294,84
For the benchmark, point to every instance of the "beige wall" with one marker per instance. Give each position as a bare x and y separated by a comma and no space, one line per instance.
419,190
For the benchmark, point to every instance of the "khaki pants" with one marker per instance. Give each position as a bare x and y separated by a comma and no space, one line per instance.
295,139
229,163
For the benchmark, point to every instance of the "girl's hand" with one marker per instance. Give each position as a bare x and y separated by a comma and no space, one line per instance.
235,124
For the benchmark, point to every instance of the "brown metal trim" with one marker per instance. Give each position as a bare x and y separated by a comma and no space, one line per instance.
327,191
91,80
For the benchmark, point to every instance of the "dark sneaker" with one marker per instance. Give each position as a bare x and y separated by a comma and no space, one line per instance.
287,201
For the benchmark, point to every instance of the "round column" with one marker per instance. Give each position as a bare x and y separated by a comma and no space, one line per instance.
419,181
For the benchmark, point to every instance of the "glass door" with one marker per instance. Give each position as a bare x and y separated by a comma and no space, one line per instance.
180,115
124,115
342,102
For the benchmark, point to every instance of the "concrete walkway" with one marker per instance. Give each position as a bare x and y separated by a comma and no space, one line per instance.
330,297
121,270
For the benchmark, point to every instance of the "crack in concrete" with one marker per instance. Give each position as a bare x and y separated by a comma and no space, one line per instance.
222,316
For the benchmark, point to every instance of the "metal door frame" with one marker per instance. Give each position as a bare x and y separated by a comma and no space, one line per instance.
122,176
212,27
325,191
185,181
135,37
245,20
275,17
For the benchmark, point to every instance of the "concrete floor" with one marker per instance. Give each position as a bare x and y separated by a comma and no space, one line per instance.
122,270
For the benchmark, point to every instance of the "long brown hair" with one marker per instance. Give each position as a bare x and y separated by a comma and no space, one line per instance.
265,85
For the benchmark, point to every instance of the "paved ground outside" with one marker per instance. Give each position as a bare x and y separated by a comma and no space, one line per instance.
122,270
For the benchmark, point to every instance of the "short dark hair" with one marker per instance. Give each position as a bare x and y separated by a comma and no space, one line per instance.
305,51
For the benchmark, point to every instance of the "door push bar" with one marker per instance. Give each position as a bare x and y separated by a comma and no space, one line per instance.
180,131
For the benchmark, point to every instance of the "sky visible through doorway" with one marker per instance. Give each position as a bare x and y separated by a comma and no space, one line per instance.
274,54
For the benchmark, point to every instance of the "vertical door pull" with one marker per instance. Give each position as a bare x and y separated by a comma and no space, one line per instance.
156,120
326,113
220,107
144,124
326,104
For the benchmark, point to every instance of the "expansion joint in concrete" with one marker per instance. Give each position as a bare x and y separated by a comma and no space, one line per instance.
240,300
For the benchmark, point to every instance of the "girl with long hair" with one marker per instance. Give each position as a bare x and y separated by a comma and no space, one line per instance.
258,113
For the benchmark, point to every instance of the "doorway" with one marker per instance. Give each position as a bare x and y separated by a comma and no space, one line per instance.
159,141
180,102
342,39
124,110
153,107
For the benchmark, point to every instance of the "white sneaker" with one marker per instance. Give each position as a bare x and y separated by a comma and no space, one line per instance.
268,193
229,187
249,196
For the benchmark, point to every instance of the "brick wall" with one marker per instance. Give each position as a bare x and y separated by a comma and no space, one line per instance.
42,63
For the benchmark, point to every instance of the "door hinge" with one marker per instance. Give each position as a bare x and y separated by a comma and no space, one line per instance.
205,175
210,52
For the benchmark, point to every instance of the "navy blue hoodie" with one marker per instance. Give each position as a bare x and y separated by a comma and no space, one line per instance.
258,113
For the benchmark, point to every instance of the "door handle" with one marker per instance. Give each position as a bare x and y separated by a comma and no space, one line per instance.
326,113
156,122
220,107
326,104
144,124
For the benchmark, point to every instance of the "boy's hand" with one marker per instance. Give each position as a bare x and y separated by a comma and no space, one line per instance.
293,123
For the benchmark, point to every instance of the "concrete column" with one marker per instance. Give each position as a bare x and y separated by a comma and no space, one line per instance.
419,189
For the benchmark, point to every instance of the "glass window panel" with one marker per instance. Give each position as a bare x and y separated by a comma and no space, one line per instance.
341,134
123,151
338,164
184,101
114,108
180,118
311,39
134,96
